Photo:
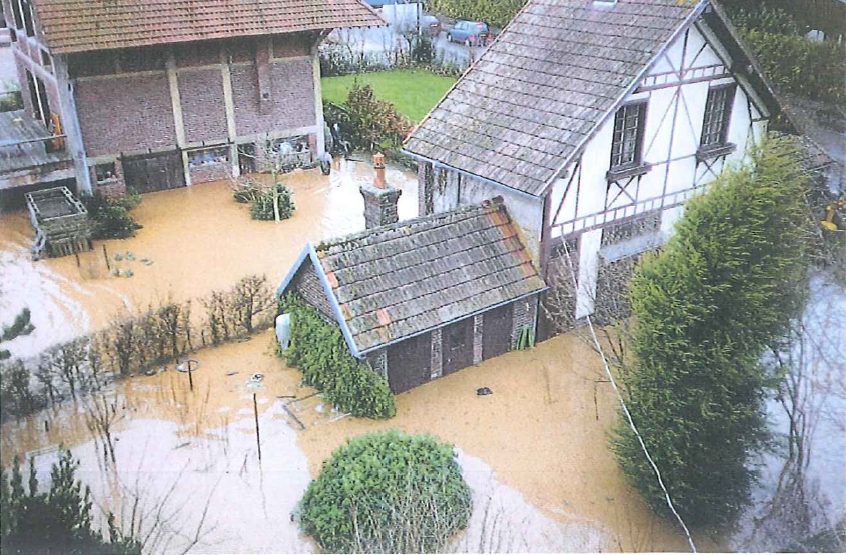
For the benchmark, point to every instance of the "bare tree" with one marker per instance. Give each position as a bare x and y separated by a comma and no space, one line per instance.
102,413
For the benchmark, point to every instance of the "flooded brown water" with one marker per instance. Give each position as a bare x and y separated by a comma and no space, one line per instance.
198,240
535,452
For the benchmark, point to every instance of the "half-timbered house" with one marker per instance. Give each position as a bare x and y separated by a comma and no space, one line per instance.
595,120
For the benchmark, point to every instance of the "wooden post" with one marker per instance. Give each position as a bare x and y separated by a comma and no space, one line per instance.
106,256
258,438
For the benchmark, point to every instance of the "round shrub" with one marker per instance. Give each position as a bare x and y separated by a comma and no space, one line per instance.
262,208
387,492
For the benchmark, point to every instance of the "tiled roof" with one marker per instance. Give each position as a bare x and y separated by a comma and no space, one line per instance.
400,280
552,76
85,25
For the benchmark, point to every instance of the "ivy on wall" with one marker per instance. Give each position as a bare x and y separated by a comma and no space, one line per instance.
319,351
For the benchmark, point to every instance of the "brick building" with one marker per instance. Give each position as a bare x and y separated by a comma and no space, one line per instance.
425,297
160,95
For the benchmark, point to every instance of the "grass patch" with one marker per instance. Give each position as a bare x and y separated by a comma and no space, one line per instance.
413,91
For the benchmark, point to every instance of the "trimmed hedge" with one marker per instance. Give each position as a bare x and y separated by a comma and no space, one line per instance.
387,492
800,66
493,12
319,351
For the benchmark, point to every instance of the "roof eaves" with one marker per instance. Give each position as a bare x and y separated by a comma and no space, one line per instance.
445,324
497,184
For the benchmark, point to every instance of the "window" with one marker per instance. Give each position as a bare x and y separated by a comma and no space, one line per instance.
208,157
17,15
628,135
26,14
717,115
104,172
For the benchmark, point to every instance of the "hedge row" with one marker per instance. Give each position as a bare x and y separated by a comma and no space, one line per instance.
493,12
151,338
800,66
319,351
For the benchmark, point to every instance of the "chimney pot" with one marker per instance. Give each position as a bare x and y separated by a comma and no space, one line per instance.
379,169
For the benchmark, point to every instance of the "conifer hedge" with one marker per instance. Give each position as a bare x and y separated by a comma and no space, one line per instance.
705,309
319,351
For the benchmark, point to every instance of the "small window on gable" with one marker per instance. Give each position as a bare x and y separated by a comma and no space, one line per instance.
105,172
627,142
717,116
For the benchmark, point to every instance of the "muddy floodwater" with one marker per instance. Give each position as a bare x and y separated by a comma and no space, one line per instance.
535,451
195,239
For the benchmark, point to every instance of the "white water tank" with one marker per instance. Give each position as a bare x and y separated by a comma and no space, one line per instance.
283,330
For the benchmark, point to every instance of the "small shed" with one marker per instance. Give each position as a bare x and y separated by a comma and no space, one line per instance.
425,297
60,222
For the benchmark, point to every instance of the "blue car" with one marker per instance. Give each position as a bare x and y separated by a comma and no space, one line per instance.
471,33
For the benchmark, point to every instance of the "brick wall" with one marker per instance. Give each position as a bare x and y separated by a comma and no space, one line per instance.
292,97
203,107
125,114
211,172
308,285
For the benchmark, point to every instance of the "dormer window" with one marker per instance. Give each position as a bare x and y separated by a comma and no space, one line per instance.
717,116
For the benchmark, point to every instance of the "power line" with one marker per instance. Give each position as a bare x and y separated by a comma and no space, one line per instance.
625,408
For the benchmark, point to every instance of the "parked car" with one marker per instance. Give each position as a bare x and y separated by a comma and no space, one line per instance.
471,33
430,25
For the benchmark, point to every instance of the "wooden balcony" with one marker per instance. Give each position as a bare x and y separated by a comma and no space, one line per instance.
30,153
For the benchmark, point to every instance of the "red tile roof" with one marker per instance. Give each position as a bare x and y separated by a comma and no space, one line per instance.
86,25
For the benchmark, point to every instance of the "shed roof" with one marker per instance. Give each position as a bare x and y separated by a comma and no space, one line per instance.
397,281
86,25
557,71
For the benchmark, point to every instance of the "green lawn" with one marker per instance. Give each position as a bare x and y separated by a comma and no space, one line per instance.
413,92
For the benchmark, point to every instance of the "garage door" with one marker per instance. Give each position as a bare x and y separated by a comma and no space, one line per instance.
410,363
496,331
154,172
458,346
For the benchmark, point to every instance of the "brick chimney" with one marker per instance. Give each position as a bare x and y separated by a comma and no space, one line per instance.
380,199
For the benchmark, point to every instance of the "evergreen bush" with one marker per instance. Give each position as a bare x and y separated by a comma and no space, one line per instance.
110,216
387,492
56,522
319,351
262,208
373,124
721,292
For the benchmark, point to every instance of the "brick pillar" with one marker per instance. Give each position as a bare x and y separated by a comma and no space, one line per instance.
437,350
380,199
478,337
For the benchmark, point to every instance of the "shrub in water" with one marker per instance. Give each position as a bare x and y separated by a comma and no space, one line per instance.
262,208
387,492
110,216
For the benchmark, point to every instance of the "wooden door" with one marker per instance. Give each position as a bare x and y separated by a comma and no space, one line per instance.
154,172
496,331
457,346
410,363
